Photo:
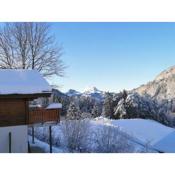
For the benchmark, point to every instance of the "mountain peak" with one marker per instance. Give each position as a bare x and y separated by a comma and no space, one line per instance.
94,93
92,89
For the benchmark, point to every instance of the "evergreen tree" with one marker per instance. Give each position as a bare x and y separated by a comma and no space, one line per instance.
124,95
73,112
108,108
86,104
120,105
95,111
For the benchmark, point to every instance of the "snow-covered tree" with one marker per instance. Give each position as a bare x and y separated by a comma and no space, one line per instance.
136,106
124,94
95,111
73,112
75,134
108,110
112,140
86,115
86,103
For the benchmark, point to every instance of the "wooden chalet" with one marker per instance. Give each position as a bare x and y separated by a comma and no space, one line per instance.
17,88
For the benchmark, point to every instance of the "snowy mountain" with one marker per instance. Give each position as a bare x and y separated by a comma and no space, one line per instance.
72,93
94,93
91,92
162,87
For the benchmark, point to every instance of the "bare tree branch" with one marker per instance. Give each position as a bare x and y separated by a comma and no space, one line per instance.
30,46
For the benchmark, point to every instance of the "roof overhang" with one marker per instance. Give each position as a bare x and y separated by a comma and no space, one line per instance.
25,96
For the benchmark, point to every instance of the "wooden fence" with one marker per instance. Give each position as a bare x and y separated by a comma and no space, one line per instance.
43,115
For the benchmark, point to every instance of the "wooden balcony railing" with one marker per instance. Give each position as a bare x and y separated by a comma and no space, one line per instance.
43,115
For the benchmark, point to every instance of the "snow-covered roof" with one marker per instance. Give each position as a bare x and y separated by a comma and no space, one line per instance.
20,81
54,106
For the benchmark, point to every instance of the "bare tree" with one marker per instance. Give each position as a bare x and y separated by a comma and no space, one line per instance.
112,140
30,46
76,134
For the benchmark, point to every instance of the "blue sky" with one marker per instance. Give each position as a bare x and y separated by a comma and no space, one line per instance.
114,56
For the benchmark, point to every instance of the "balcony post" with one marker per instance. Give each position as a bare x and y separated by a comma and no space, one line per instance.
29,150
50,138
10,142
33,135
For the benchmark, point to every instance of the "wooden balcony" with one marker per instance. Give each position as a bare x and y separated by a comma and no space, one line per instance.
42,116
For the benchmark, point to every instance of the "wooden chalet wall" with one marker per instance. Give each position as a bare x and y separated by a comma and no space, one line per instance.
13,112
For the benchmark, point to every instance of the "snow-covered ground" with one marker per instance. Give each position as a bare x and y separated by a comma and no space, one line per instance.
144,130
158,136
45,146
154,135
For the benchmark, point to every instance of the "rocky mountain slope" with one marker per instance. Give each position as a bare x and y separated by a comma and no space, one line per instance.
154,100
162,87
